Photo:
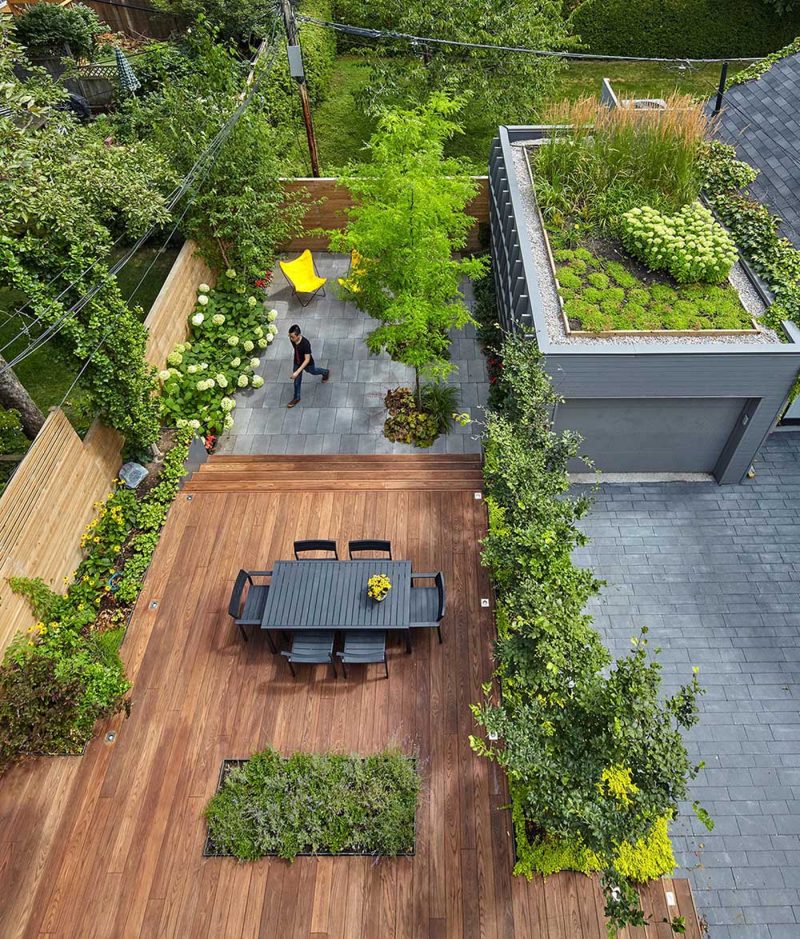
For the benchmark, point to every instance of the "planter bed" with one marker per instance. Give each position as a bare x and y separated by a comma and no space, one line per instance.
211,849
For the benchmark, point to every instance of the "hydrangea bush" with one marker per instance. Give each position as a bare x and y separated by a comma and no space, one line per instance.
229,329
690,245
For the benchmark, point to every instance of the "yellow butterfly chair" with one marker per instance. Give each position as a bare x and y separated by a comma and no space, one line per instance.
302,275
350,283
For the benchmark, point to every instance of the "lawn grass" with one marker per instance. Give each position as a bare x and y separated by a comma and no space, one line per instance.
342,127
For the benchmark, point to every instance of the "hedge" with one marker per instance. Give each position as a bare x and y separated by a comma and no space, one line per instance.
693,28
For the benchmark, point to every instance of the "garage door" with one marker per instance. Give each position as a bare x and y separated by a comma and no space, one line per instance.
656,435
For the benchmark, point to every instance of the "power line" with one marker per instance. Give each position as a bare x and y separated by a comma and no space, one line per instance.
368,33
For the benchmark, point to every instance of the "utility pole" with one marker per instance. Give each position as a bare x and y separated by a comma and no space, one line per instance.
298,73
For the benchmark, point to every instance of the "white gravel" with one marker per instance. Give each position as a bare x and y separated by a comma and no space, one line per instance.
549,295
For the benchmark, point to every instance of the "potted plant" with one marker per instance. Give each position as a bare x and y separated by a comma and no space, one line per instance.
378,586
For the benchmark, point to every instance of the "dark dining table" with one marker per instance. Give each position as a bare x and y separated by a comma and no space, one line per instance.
332,595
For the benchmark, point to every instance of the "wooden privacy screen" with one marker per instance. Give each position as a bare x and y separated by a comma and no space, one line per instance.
334,200
167,322
46,507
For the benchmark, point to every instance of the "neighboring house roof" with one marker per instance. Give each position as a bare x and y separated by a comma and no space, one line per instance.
761,118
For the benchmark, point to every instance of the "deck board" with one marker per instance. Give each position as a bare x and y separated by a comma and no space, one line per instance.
110,844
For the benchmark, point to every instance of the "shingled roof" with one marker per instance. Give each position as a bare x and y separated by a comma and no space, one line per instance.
761,118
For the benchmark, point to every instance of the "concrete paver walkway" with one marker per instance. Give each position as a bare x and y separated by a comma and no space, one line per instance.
714,571
346,414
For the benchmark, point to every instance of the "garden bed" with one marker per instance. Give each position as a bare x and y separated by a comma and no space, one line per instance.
354,806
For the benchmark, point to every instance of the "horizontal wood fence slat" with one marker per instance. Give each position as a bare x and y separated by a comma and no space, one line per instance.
47,505
167,322
334,199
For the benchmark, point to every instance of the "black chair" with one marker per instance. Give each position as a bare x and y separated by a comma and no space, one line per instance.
362,647
305,547
250,612
311,648
371,546
428,603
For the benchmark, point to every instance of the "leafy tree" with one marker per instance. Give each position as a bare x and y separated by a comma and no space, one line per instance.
67,194
49,29
505,86
407,223
238,214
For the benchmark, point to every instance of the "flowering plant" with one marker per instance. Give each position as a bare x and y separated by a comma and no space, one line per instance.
378,586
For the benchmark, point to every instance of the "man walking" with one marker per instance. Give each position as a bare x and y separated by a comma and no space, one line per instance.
303,362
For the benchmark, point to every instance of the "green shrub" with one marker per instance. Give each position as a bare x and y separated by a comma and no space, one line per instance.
312,802
46,29
690,244
675,28
620,275
405,422
440,400
568,278
598,280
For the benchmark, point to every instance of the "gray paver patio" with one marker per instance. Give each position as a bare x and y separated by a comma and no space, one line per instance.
346,414
715,573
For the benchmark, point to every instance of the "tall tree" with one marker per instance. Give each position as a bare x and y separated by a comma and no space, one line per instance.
407,224
504,86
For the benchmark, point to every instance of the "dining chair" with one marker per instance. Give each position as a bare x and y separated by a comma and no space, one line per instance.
372,547
249,612
311,647
362,647
305,547
428,603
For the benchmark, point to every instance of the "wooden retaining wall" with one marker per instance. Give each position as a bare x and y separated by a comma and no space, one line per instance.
46,507
167,321
334,200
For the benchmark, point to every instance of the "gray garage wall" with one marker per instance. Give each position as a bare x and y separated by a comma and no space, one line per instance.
750,384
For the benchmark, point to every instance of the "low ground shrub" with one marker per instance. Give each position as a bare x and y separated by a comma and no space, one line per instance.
675,28
635,304
228,330
406,422
65,673
316,802
690,245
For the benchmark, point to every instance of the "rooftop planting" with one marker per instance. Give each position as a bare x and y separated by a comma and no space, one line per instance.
632,247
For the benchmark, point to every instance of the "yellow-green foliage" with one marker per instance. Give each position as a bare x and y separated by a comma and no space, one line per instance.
646,860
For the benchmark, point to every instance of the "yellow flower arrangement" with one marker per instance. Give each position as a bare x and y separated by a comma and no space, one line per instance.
378,586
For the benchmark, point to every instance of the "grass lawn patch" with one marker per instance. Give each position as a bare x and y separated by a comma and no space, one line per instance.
604,289
314,803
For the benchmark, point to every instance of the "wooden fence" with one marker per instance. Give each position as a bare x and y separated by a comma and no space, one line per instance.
329,202
46,507
167,322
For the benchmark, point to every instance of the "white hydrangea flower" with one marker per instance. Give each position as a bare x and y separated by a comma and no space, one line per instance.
195,424
192,369
235,363
230,273
201,385
251,301
254,362
233,340
272,315
218,319
203,366
227,404
204,288
273,329
181,423
187,346
258,332
197,319
248,346
242,381
256,381
228,422
262,343
165,374
270,337
221,380
202,299
175,358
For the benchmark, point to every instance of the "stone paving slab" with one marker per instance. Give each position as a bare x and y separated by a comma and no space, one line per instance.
346,414
714,571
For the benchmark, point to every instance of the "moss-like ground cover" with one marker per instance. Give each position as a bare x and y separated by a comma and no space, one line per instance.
601,294
312,803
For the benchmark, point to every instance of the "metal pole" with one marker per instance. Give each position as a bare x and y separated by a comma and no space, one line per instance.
723,78
291,35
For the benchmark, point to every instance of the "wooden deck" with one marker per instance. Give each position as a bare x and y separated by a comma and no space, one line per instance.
109,844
